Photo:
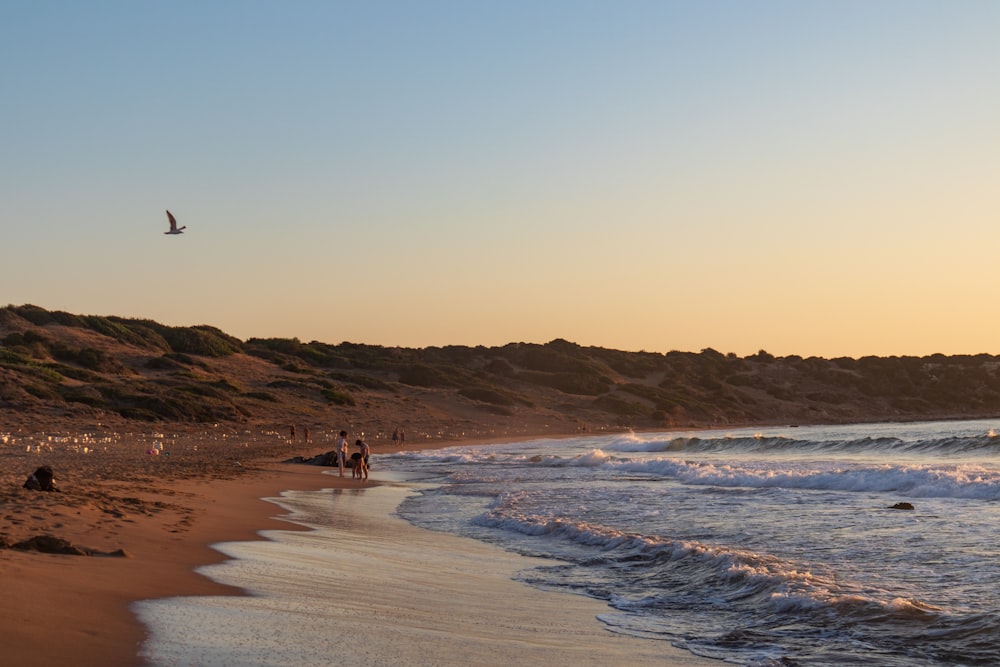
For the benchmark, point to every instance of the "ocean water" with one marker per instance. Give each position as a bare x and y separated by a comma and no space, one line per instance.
767,547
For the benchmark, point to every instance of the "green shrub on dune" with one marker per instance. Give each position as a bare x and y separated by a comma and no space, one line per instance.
337,397
486,395
422,375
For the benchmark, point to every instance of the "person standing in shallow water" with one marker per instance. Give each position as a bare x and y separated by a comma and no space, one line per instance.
365,451
342,451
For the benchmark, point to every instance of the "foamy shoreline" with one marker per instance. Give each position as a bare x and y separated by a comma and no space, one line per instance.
407,596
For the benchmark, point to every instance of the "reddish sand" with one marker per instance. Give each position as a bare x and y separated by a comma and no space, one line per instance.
85,599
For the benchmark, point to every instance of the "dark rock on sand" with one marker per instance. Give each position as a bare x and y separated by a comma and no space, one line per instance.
48,544
902,506
329,459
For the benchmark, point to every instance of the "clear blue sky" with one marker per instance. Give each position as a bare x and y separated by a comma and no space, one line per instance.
814,178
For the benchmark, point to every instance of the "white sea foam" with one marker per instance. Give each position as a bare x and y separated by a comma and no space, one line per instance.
937,480
917,481
686,533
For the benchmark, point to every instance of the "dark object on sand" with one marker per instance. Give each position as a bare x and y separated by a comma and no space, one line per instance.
48,544
902,506
41,480
329,460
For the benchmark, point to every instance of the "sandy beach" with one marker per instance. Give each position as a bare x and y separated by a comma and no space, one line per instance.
166,509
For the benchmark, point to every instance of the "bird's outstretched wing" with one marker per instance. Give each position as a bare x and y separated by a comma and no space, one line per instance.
173,221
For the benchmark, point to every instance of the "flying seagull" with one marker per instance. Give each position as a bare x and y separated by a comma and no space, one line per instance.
174,229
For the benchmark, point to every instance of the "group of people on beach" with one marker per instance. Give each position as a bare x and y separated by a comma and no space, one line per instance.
341,456
359,459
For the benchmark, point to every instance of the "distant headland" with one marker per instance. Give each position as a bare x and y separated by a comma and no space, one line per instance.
55,365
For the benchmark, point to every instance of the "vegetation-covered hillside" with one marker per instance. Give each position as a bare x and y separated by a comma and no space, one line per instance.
58,364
